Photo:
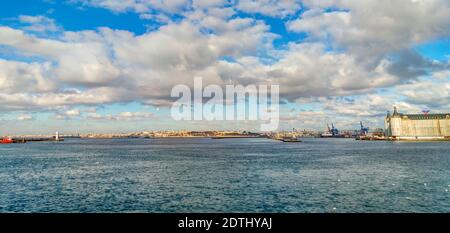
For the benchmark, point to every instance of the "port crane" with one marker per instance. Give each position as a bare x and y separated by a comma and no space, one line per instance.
364,130
334,131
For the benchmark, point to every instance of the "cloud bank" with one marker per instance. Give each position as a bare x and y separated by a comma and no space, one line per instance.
355,49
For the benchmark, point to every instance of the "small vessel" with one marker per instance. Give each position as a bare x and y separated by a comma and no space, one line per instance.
286,136
290,139
326,135
6,140
332,132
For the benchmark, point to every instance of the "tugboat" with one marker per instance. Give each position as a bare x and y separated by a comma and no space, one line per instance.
6,140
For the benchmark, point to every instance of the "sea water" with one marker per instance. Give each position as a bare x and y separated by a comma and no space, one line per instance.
229,175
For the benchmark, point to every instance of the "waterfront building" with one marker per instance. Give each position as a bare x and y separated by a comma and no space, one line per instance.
424,126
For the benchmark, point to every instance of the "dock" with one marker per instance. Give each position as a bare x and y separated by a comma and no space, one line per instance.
24,139
36,139
237,136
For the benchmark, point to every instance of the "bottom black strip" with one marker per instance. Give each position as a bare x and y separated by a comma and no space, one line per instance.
223,222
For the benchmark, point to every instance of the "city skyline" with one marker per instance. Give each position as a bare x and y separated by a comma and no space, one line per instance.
109,66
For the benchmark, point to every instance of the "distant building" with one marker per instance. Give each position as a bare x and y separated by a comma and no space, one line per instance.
425,126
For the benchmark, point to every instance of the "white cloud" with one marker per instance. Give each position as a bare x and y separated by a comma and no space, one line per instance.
371,105
374,27
139,6
208,3
20,76
38,23
72,112
123,116
274,8
104,66
143,68
25,118
78,62
430,93
307,69
442,75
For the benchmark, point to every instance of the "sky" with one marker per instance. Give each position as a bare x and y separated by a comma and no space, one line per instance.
81,66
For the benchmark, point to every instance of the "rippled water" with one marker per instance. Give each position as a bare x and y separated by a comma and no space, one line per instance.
232,175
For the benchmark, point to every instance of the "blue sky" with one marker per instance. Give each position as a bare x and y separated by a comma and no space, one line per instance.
72,16
109,65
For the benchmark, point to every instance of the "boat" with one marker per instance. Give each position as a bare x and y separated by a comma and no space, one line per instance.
6,140
326,135
332,132
287,139
290,139
236,136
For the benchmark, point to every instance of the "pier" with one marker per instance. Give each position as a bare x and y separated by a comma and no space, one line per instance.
237,136
25,139
36,139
